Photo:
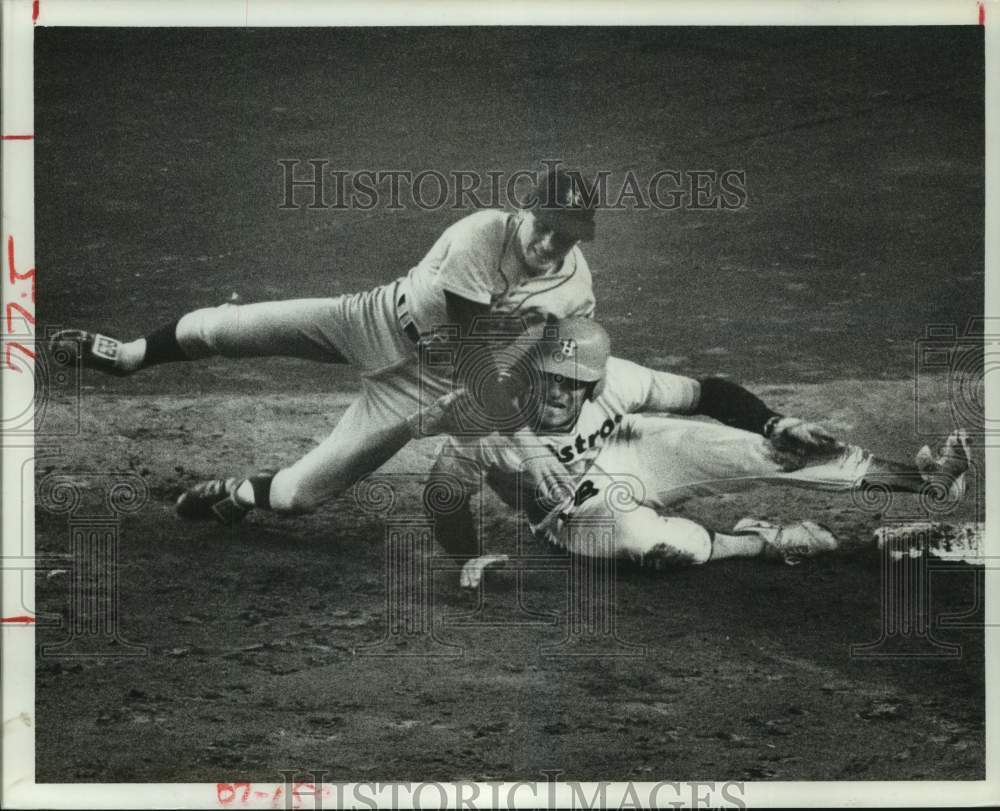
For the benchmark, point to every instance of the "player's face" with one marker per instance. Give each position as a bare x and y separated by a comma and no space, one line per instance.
542,247
564,397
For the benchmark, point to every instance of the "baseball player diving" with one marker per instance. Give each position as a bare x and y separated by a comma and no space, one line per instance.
520,268
609,422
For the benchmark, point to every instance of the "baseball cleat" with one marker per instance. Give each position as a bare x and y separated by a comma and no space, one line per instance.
949,466
213,500
791,543
94,351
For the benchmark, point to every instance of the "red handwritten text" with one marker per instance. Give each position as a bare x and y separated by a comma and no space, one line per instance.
23,314
234,794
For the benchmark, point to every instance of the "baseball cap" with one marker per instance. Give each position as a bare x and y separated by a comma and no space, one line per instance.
560,201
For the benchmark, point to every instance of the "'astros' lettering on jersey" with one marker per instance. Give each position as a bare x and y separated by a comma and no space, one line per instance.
476,258
586,442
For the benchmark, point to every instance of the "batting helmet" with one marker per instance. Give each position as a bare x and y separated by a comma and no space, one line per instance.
576,348
560,200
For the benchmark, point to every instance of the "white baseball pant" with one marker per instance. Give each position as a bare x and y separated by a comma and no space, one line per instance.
662,460
362,329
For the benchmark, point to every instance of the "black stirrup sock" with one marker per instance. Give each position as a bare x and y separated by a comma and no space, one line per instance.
162,346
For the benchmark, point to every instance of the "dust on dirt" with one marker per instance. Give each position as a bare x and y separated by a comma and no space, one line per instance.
260,638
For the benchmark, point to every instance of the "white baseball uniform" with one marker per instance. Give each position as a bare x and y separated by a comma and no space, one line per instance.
626,467
378,331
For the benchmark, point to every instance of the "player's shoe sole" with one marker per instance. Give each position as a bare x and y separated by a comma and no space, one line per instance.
93,350
213,500
949,466
791,543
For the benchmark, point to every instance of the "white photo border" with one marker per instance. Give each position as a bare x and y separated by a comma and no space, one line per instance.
20,17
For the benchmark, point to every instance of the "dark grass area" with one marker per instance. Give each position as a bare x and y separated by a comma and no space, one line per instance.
863,152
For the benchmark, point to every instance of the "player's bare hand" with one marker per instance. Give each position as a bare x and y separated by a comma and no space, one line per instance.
472,571
797,442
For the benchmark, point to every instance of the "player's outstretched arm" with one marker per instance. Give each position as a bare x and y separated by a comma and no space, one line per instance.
455,530
454,479
733,405
730,404
455,527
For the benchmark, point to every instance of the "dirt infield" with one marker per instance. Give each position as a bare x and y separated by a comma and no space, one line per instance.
257,636
158,192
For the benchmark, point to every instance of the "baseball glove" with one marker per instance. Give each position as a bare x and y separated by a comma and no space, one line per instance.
796,443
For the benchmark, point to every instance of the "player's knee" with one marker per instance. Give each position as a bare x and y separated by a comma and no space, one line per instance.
198,333
671,541
291,496
299,504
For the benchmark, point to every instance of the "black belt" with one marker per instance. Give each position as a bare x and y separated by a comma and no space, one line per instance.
406,320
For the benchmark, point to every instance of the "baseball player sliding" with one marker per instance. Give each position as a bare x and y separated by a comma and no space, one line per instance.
626,461
522,267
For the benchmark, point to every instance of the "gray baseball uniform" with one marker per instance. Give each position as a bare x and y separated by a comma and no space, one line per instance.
379,330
